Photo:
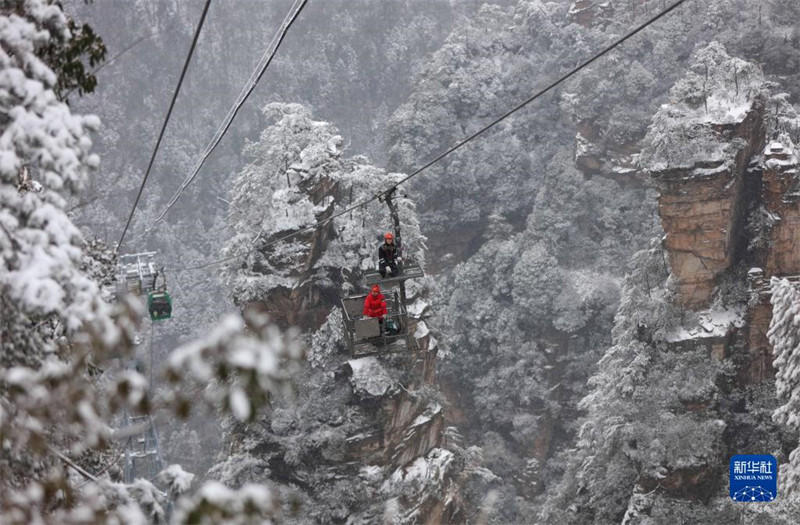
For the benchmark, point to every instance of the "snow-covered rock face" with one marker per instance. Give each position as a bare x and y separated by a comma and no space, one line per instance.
299,176
719,100
356,420
369,378
713,329
781,190
698,149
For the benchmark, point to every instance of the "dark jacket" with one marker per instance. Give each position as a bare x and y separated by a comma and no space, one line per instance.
387,253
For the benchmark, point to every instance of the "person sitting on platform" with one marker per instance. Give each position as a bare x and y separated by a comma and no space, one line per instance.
389,260
375,304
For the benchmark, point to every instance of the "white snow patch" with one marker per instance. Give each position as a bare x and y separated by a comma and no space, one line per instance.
371,473
424,472
723,110
421,331
712,323
413,288
178,480
425,417
774,147
418,308
239,403
369,376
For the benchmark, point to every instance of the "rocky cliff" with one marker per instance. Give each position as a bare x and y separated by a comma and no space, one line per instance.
728,202
365,435
698,151
728,206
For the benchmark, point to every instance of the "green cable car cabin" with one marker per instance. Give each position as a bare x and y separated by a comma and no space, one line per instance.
159,304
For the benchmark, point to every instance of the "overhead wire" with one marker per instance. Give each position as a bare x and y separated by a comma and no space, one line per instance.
119,55
250,86
166,120
454,148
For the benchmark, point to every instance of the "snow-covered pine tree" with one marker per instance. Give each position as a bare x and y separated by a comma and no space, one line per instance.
62,346
784,335
54,321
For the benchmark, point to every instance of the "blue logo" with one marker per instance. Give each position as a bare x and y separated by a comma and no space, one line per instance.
754,478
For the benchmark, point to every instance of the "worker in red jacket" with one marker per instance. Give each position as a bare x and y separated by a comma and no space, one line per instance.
375,304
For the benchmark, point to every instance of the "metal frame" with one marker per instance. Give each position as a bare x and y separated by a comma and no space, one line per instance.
409,271
137,271
142,448
363,333
364,336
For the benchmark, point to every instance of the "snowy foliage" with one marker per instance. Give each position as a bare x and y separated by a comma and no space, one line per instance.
527,316
326,341
784,335
300,176
242,363
177,480
470,80
625,437
216,503
717,90
58,334
759,228
55,326
40,246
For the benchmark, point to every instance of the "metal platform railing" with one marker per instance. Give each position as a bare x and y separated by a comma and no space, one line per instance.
409,271
368,336
142,452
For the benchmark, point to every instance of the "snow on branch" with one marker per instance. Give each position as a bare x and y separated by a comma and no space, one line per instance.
216,503
718,90
239,366
784,335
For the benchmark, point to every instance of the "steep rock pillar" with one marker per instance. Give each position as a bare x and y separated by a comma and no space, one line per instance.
781,199
702,209
698,150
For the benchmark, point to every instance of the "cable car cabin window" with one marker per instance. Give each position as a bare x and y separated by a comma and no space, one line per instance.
159,304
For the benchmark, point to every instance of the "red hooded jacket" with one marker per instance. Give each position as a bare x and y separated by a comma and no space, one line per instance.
375,305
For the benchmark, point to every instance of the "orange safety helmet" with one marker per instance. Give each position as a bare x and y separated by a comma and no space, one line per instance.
389,236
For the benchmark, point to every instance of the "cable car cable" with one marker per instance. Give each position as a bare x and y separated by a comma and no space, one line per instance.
166,120
125,50
228,121
463,142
